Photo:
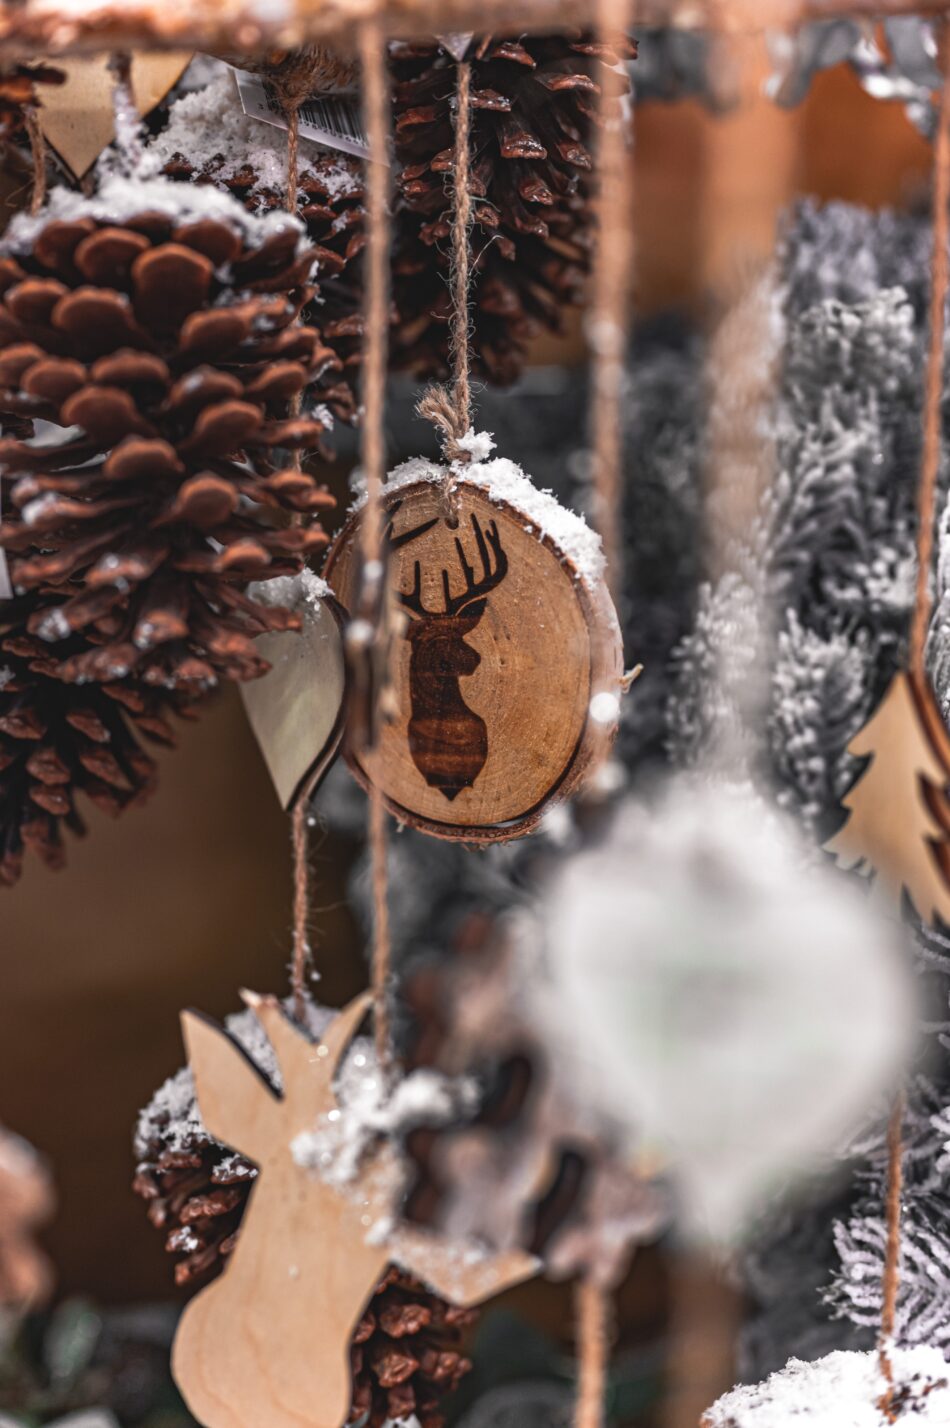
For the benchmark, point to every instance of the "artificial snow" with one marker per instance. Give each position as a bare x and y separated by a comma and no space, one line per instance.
291,592
118,199
210,129
370,1107
842,1390
504,481
172,1118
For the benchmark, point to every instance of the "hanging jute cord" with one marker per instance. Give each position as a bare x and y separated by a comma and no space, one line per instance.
611,281
892,1251
592,1318
933,394
373,460
301,944
293,81
451,412
38,154
608,330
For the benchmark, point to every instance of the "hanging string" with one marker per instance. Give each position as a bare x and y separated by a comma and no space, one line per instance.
933,393
608,332
592,1321
892,1252
373,460
923,609
38,155
610,287
451,412
301,943
293,82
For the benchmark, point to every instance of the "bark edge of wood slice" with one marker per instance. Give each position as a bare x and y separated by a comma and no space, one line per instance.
494,726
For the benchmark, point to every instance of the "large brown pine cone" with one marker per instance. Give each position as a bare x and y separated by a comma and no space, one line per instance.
57,740
534,103
158,335
209,140
405,1355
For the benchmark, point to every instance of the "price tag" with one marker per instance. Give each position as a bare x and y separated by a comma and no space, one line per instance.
333,120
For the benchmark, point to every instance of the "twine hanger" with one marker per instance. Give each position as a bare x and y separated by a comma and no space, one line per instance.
920,624
451,411
293,81
376,117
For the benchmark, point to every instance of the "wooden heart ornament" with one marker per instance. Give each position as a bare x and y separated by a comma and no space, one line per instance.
296,709
509,670
267,1343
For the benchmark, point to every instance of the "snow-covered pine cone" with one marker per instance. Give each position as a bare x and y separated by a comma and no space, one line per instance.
534,113
210,140
58,740
155,329
405,1355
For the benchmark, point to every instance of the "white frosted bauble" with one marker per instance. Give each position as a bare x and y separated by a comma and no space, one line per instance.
722,995
842,1390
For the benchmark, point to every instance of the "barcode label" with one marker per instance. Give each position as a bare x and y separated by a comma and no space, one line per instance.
333,120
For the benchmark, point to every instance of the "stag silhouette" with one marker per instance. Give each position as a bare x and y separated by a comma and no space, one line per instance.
267,1343
448,741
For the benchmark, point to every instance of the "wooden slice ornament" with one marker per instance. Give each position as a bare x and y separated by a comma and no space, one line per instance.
509,670
296,710
268,1342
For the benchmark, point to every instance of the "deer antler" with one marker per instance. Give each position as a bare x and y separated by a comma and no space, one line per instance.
413,600
477,589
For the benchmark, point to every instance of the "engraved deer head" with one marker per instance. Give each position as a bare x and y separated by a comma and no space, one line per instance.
448,740
268,1342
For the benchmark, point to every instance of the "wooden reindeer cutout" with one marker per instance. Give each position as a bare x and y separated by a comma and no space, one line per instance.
448,740
267,1344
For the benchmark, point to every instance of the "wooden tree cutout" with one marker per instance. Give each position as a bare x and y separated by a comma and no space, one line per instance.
899,806
268,1342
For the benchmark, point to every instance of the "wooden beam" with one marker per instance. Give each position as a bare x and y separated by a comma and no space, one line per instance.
50,27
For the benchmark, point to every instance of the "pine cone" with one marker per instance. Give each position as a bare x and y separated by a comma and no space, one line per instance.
59,739
534,109
405,1354
160,335
209,140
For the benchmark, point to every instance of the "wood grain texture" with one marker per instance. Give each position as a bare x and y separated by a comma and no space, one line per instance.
268,1341
77,118
899,808
229,26
502,650
296,710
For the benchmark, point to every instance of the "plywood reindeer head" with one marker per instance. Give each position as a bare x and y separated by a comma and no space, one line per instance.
268,1342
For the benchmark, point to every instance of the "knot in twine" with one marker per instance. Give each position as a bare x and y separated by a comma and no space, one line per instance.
447,416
